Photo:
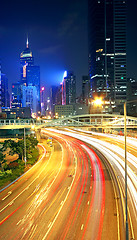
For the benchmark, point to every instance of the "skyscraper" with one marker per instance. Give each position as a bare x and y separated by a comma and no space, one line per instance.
16,95
43,101
0,87
33,79
26,59
5,97
30,98
120,65
107,48
69,89
30,81
85,89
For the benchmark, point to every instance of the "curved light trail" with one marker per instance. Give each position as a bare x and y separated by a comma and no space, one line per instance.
115,156
62,197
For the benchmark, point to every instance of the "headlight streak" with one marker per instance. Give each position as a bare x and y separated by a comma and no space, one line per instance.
97,200
108,150
98,171
39,198
98,196
52,223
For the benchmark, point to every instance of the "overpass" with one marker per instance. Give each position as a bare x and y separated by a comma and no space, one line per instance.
110,121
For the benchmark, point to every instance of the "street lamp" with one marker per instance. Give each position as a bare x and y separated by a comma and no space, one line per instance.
125,136
98,102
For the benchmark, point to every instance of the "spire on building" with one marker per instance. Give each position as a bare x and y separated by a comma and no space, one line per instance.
27,43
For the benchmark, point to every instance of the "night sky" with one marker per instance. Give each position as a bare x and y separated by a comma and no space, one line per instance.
57,31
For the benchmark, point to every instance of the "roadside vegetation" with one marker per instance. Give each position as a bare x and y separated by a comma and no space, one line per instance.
10,170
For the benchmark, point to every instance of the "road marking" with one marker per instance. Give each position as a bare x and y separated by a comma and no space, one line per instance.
18,222
82,226
7,195
52,223
61,202
11,203
49,224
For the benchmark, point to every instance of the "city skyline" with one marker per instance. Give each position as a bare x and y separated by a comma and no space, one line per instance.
68,133
58,39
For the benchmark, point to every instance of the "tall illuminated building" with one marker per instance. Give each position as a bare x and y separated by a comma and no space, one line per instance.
43,101
5,97
16,95
85,89
69,88
30,81
0,87
26,59
30,99
107,48
33,79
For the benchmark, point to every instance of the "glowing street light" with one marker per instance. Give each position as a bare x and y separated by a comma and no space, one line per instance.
98,101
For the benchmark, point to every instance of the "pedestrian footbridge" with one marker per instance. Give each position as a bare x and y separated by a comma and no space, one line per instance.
110,121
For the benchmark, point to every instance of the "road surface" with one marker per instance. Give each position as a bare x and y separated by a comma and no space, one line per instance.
68,194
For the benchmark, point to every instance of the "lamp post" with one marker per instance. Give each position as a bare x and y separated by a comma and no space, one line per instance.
25,147
125,137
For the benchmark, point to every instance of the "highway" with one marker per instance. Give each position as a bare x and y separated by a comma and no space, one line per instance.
68,194
112,147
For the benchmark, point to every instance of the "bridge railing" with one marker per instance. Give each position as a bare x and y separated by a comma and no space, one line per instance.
94,120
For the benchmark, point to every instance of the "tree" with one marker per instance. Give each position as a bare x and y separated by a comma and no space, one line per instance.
2,159
18,147
33,141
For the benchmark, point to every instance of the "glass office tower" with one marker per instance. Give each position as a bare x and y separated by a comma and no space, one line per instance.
26,59
107,48
69,89
30,82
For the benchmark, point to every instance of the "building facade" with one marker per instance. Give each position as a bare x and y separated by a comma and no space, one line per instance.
30,99
63,111
16,95
132,96
85,89
69,89
5,97
26,59
0,87
30,82
107,49
43,101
